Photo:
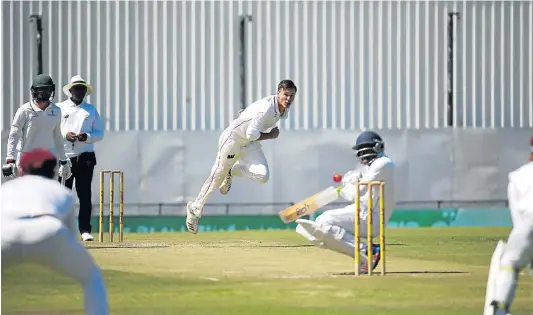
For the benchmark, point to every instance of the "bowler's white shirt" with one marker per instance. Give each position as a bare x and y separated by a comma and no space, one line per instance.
87,119
520,191
258,117
47,197
381,169
34,128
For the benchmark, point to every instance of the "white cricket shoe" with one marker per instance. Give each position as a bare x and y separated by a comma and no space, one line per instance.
193,214
86,237
226,184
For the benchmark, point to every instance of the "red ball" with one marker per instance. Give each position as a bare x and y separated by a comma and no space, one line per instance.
337,178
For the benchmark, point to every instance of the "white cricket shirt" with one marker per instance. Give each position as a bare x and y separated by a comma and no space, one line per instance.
381,169
80,118
33,196
258,117
520,190
34,128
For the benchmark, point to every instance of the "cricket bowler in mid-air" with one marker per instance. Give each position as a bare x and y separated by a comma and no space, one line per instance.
39,227
239,149
334,229
511,257
37,124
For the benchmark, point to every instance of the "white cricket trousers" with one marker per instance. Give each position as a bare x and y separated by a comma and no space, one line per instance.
519,248
345,218
47,242
517,254
243,158
338,229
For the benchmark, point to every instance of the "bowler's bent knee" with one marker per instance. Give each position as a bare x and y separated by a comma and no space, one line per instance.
260,173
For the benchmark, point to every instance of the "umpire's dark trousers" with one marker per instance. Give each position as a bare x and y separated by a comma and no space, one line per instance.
82,175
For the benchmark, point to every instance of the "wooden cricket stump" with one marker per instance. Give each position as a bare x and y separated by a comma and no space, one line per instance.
111,174
357,226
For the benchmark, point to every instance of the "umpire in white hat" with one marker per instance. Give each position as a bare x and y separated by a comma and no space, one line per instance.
81,127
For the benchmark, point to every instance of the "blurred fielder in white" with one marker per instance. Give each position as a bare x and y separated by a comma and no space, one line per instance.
511,257
239,151
334,229
37,124
40,228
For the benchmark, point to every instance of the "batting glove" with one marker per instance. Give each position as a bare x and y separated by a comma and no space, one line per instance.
352,177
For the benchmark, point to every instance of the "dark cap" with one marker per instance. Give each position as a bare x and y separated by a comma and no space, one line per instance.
42,80
35,159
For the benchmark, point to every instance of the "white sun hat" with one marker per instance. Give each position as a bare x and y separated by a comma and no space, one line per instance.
77,80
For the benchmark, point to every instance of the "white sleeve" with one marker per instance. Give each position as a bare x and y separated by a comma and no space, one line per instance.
253,132
59,142
348,191
97,132
520,196
511,197
16,131
63,132
352,176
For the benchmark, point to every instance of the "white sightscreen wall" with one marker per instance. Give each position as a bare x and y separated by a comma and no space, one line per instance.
162,65
431,165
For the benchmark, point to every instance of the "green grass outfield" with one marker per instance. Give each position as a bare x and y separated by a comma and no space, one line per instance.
431,271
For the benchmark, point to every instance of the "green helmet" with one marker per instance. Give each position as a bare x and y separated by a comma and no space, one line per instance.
43,88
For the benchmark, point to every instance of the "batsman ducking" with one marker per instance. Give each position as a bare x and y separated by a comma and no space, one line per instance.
340,230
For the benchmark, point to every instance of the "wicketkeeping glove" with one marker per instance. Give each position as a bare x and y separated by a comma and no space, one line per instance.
8,169
64,169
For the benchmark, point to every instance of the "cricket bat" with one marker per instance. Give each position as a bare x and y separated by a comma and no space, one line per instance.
310,204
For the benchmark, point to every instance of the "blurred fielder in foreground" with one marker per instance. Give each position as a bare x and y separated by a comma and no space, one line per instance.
42,229
334,229
239,151
37,124
512,257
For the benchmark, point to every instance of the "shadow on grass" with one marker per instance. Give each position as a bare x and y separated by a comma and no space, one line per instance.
416,272
272,245
261,246
210,245
133,245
